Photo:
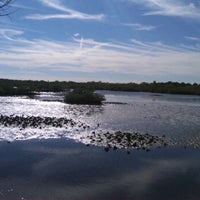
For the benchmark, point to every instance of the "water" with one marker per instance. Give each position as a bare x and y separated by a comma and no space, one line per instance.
62,169
55,163
176,116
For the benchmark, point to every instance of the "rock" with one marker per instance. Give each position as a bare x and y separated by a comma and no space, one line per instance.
126,140
37,122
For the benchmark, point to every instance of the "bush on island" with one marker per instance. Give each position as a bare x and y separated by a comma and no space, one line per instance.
83,96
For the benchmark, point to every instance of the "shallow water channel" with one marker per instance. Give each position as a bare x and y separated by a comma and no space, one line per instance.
67,162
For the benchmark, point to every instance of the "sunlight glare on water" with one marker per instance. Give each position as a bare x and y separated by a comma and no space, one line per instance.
175,116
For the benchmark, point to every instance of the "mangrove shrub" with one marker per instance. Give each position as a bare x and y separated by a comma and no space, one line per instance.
83,96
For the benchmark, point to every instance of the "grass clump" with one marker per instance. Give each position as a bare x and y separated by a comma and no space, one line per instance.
83,96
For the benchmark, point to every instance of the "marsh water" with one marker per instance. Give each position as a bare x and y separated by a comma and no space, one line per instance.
60,163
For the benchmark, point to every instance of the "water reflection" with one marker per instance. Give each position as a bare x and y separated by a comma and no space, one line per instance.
62,169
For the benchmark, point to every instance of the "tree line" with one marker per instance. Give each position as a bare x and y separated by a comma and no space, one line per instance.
28,87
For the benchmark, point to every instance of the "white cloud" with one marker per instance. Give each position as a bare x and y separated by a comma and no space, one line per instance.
89,56
56,4
67,13
141,27
76,34
192,38
64,16
171,8
10,33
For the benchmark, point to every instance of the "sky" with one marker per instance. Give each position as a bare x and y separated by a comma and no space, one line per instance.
101,40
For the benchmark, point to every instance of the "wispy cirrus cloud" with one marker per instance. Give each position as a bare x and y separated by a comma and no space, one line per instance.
89,56
196,39
140,27
64,16
67,13
177,8
9,34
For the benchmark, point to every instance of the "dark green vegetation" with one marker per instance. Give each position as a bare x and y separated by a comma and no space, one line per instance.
19,87
83,96
9,90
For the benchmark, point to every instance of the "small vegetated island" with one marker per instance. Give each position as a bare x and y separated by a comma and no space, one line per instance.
83,96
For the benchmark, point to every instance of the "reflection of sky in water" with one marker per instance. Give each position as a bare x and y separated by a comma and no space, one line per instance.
61,169
176,116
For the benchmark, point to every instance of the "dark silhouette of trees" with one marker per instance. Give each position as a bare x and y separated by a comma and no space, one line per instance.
83,96
19,87
5,7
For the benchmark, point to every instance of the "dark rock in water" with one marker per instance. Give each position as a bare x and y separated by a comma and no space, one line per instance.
106,149
37,122
114,148
126,140
110,140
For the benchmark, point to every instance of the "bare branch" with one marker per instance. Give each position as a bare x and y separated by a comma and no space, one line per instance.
4,7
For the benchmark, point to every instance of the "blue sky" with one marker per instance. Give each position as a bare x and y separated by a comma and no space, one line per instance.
101,40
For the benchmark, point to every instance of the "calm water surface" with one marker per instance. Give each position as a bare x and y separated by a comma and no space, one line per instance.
54,163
